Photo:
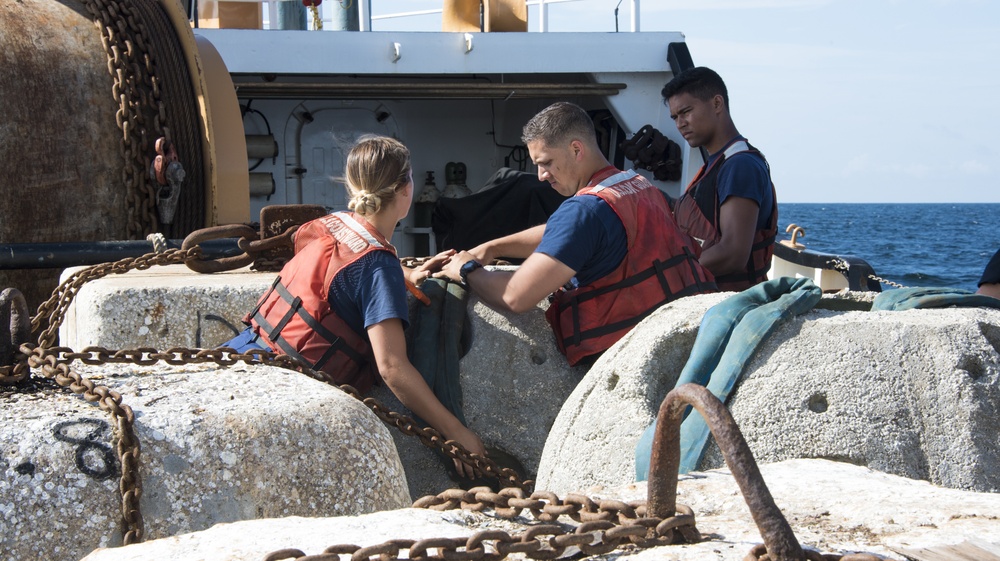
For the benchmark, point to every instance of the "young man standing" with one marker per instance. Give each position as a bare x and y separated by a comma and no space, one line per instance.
730,207
614,243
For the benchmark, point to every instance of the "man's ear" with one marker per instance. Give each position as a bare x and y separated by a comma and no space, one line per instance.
577,149
718,102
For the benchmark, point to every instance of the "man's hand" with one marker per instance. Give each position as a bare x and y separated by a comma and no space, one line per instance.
452,269
421,273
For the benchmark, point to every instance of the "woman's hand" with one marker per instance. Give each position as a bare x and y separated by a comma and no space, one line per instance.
471,442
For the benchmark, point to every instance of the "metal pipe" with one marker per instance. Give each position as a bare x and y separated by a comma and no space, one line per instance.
635,16
59,255
302,90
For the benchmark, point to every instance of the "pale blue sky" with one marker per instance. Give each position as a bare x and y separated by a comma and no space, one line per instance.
850,100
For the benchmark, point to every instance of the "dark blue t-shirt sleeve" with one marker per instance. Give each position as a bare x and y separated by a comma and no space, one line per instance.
745,175
369,291
991,274
587,236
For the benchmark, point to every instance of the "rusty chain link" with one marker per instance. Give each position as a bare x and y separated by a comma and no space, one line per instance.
602,527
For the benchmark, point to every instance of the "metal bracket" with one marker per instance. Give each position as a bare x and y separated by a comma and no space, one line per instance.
662,488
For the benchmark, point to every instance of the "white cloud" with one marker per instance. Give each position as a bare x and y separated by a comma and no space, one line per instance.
974,167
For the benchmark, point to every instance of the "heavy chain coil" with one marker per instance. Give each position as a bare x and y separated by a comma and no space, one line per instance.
602,527
136,90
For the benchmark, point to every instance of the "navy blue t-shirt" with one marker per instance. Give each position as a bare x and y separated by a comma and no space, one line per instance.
369,291
991,274
745,175
586,235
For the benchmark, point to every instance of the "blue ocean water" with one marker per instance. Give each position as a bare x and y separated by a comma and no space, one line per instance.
941,244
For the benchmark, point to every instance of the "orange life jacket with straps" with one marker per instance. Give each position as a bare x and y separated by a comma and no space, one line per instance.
294,316
697,213
660,265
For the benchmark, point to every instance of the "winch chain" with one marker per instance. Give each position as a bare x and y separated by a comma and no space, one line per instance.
603,526
136,89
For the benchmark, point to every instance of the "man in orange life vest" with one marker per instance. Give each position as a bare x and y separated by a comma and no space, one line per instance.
614,243
730,207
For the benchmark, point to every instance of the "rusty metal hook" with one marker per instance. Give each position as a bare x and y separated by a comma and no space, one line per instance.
284,240
217,232
16,323
662,488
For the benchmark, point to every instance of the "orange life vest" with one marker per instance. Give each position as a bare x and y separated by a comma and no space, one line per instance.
697,213
660,265
294,316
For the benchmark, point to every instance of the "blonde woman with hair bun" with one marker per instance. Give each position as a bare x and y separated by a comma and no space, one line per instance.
340,302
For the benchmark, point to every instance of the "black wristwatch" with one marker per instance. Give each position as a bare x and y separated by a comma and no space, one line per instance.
468,267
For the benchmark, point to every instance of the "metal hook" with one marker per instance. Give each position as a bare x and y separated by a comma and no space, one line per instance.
796,232
665,459
15,323
214,233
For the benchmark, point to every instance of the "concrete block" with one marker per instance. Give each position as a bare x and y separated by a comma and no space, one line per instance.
217,445
161,307
913,393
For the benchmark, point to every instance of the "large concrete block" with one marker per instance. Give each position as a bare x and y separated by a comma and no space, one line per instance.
831,507
161,307
591,440
513,377
914,393
217,445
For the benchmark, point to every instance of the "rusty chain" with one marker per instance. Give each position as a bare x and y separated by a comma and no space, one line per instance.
54,363
136,89
127,447
602,527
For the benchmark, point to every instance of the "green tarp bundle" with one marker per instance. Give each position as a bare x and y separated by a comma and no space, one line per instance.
730,333
435,345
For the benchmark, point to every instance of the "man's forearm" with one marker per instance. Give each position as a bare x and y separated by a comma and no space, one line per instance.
519,245
492,286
